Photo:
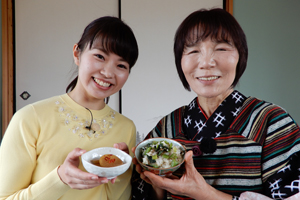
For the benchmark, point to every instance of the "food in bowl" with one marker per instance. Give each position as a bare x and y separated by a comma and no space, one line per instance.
109,160
90,159
159,170
161,154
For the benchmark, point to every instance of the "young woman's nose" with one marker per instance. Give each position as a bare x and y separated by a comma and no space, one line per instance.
107,71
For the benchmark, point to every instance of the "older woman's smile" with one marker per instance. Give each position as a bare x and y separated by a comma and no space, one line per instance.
209,78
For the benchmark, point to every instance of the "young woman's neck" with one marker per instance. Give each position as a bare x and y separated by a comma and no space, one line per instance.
90,103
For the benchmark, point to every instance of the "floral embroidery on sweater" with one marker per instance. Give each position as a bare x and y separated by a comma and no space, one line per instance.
78,126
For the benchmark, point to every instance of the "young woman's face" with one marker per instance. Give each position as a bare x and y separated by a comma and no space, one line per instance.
100,73
210,67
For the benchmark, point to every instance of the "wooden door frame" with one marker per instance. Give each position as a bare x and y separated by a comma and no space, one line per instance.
7,63
229,6
8,59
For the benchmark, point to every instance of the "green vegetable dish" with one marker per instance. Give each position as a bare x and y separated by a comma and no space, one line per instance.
161,154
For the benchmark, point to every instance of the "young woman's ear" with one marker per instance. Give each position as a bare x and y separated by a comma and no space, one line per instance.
76,54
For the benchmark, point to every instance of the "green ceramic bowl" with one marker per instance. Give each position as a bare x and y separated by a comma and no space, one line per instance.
158,171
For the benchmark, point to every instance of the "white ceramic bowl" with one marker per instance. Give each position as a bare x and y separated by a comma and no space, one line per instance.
108,172
158,171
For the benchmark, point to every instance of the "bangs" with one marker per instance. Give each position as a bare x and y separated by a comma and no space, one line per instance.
117,44
200,32
216,24
113,36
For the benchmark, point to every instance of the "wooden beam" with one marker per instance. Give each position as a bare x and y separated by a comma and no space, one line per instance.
7,63
229,6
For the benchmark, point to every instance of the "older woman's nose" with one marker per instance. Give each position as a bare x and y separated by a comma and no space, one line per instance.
206,61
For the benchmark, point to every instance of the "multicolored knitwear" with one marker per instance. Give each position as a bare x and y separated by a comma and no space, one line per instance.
257,147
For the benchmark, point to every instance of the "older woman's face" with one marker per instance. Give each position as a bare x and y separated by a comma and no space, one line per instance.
209,67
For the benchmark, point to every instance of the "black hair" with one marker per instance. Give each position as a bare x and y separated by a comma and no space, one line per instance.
217,24
114,35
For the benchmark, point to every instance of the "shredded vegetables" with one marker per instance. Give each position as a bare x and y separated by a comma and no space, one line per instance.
161,154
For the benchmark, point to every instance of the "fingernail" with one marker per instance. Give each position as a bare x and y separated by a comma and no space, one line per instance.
94,178
103,181
81,152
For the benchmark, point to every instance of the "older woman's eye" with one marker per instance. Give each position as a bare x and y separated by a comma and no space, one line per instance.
193,51
224,47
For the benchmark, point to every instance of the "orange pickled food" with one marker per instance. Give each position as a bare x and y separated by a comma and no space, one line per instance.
110,160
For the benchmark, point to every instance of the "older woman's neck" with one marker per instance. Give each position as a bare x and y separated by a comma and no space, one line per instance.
210,104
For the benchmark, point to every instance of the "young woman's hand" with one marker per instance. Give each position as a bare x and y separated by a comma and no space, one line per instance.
74,177
122,146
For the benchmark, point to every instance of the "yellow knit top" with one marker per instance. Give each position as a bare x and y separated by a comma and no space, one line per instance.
40,136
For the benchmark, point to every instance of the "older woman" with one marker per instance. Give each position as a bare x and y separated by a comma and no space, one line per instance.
238,143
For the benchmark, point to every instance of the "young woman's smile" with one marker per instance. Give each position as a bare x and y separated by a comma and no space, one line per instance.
100,73
103,84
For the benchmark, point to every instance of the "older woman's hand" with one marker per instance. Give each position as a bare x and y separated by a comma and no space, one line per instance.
159,193
139,168
74,177
191,184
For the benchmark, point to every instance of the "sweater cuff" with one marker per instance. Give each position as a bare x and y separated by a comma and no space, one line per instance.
50,187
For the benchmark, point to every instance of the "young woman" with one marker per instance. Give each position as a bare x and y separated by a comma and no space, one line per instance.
240,144
41,149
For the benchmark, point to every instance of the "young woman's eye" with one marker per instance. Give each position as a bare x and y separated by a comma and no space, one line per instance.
122,66
100,56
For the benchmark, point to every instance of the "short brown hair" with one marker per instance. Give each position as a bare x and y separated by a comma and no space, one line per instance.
218,25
